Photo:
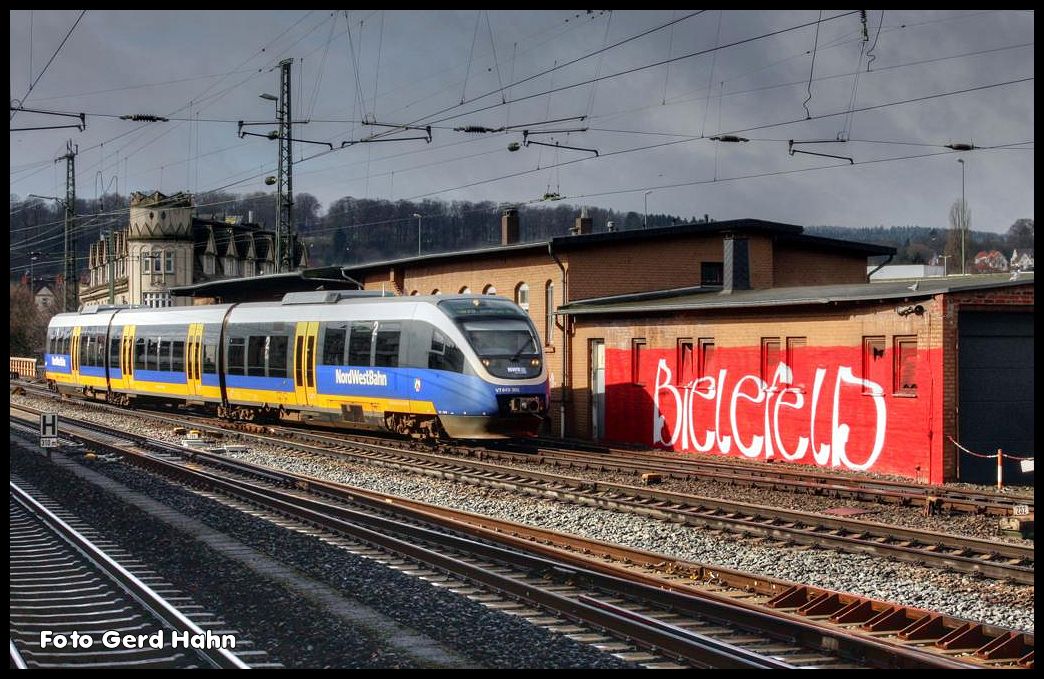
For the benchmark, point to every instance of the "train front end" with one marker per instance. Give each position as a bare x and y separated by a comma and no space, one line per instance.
505,351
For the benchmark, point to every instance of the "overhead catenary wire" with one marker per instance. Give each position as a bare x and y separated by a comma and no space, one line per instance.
49,62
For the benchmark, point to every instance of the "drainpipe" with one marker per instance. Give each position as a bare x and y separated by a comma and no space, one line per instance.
349,278
882,264
565,342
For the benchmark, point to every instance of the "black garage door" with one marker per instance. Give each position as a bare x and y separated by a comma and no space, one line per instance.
995,392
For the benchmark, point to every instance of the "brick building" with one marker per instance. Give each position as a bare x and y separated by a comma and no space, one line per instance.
880,377
542,276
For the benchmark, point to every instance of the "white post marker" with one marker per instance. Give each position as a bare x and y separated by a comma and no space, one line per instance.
48,430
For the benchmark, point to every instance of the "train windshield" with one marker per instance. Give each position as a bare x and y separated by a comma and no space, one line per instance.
509,338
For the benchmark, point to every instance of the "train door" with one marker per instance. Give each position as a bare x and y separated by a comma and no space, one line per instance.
597,363
127,356
305,342
74,355
193,360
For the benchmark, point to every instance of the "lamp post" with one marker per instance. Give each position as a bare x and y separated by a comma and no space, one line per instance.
645,221
418,216
961,215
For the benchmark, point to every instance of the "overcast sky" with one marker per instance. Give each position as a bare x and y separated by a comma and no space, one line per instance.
732,72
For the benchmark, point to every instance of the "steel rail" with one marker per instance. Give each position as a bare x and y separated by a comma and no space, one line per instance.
354,494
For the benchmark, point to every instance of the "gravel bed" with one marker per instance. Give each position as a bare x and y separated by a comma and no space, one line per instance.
966,596
306,637
960,523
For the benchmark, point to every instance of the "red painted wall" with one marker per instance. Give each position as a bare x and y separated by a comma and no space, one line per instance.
823,413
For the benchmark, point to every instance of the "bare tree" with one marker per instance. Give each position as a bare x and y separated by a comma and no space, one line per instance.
957,238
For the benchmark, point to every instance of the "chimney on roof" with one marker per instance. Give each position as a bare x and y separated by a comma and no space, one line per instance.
250,216
736,266
584,224
706,217
509,226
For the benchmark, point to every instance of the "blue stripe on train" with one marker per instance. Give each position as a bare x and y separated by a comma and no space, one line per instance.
57,363
252,382
452,393
159,376
92,371
209,380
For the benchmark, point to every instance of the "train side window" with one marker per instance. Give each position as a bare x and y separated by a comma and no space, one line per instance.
85,346
211,341
236,355
277,355
359,343
444,354
256,355
333,343
386,350
210,358
177,356
163,362
139,353
114,349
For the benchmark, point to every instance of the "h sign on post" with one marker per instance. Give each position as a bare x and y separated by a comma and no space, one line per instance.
48,430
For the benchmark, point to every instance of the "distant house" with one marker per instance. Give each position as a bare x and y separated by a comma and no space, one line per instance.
1021,260
990,262
44,298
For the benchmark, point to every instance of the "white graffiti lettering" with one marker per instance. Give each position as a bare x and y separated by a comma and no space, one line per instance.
773,396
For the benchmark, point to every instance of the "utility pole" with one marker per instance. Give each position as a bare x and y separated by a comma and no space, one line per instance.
285,186
70,272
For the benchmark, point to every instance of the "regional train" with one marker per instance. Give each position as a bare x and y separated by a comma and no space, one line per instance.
456,366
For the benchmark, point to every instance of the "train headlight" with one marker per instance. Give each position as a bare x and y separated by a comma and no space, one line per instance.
534,362
485,362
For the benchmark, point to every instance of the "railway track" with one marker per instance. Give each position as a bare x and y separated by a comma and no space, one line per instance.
609,593
997,560
781,477
61,584
786,478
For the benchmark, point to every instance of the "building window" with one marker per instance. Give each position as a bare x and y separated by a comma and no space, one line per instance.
686,368
637,352
905,370
770,349
549,306
414,293
875,368
522,296
146,262
465,290
489,290
169,256
795,346
712,273
706,363
436,292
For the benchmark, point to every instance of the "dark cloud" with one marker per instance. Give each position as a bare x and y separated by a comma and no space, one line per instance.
418,66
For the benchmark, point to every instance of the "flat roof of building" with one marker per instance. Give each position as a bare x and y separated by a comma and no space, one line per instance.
786,233
710,298
270,286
